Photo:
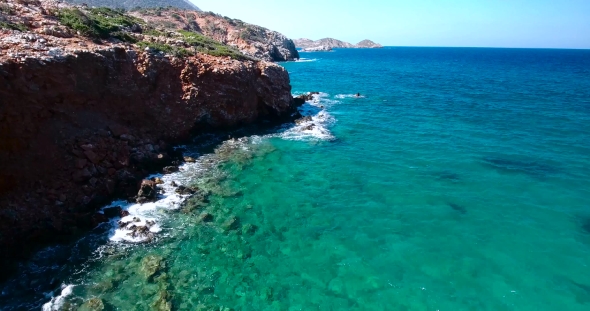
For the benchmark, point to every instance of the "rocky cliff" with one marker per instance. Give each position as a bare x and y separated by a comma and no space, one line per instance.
84,117
132,4
251,40
333,43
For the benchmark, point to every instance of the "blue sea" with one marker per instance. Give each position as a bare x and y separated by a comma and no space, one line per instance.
458,180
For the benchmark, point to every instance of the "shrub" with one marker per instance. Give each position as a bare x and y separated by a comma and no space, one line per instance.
13,26
98,22
209,46
168,49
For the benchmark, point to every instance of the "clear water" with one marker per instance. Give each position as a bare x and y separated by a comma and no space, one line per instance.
459,181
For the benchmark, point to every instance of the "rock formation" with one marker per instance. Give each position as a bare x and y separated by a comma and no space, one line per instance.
320,48
132,4
252,40
307,44
83,119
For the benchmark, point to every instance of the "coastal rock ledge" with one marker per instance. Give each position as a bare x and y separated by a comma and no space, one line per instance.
81,128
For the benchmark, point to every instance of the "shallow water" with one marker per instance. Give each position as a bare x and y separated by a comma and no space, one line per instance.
458,181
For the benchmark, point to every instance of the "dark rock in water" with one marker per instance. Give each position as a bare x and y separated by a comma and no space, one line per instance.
232,223
450,176
206,217
530,167
147,192
151,265
308,127
184,190
112,212
249,229
173,184
459,208
93,304
303,120
189,160
162,302
586,225
170,169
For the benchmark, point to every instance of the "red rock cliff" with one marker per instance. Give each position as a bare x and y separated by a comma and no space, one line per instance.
80,129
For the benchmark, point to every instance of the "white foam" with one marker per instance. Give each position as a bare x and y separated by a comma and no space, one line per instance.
57,302
343,96
306,60
152,212
321,120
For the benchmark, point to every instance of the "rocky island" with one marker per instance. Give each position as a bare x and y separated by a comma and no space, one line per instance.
308,45
93,99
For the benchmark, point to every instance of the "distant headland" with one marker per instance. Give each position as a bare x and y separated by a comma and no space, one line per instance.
327,44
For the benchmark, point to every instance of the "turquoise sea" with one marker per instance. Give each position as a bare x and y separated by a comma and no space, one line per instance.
459,180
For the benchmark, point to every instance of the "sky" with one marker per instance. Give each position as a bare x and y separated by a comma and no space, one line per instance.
464,23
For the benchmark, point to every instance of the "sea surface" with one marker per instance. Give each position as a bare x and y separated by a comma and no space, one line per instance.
458,180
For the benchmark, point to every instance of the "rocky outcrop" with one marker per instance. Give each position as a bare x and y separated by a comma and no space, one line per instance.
132,4
83,122
251,40
368,44
307,44
317,49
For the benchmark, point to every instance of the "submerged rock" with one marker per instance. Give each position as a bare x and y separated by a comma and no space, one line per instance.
93,304
185,190
161,303
232,223
249,229
151,265
206,217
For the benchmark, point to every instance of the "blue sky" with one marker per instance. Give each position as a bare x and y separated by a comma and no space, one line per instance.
477,23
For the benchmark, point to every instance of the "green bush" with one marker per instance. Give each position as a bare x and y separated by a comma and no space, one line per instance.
98,22
209,46
168,49
13,26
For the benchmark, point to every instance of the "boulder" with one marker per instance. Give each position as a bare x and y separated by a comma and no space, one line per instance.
185,190
170,169
303,120
147,191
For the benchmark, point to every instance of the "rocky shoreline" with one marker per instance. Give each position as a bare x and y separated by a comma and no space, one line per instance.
80,127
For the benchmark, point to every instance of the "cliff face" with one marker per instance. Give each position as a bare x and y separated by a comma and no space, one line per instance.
251,40
82,122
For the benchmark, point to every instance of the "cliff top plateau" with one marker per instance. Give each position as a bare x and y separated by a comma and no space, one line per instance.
330,43
170,30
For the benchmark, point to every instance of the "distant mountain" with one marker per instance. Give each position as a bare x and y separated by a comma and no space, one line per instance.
330,43
368,44
132,4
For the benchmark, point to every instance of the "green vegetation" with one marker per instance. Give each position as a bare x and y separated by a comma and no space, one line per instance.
13,26
209,46
99,23
168,49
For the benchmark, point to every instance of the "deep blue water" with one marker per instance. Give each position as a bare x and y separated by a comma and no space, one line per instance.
459,180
